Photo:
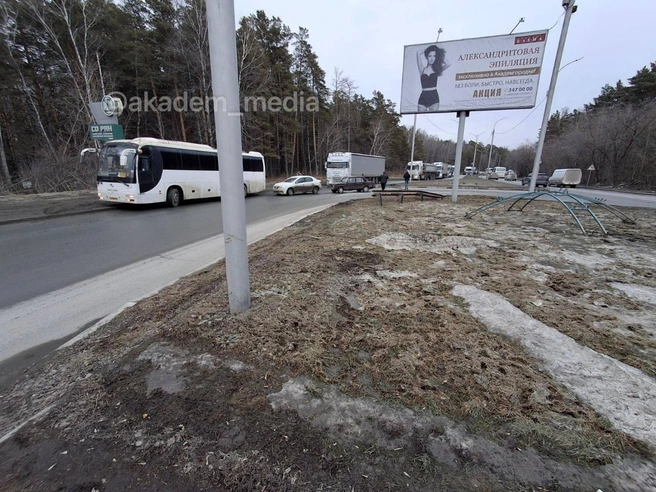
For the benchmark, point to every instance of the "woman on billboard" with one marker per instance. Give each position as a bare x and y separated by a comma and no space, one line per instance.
431,64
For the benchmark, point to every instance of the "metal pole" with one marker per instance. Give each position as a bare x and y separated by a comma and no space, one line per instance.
414,131
569,10
518,23
489,157
227,118
456,167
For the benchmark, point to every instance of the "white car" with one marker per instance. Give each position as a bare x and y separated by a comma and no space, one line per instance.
297,184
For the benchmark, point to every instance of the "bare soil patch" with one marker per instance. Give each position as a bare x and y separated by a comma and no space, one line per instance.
357,367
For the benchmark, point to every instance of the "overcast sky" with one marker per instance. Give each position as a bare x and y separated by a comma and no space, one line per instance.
365,39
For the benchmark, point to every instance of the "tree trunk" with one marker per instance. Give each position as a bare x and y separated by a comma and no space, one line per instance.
160,124
183,130
4,169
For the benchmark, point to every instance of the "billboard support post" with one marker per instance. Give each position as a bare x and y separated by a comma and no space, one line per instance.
414,131
456,167
569,10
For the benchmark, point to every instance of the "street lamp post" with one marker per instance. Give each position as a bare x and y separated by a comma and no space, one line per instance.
570,8
477,135
489,158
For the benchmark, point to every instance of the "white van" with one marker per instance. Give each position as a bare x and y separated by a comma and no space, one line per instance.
566,177
496,173
469,170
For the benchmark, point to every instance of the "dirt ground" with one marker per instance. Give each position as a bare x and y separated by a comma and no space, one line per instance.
388,346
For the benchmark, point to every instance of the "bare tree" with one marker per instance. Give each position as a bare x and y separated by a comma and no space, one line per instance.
75,50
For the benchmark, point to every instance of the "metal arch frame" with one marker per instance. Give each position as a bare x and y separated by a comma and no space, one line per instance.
582,205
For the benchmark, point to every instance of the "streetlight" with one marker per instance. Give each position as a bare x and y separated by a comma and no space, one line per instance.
518,23
570,8
475,147
489,159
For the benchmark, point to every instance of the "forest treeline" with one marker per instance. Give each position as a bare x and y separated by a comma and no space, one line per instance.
58,56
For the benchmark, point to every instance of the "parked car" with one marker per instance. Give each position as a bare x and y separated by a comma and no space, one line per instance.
541,180
510,175
297,184
352,183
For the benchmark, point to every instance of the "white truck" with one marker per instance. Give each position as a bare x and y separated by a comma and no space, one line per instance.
423,170
340,165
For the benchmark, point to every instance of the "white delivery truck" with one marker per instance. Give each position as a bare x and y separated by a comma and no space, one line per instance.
340,165
566,177
422,170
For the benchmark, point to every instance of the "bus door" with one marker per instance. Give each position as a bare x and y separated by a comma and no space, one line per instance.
146,177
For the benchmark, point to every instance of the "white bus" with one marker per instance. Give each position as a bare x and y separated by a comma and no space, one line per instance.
150,170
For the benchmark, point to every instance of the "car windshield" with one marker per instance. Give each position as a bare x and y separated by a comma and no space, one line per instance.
291,180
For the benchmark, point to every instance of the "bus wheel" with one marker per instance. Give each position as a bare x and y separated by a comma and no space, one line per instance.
315,190
290,191
173,197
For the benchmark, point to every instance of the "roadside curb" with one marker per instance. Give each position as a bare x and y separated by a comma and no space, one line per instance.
53,216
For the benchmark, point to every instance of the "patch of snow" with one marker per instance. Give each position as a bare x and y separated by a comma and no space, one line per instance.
393,275
401,241
363,420
623,394
639,292
592,261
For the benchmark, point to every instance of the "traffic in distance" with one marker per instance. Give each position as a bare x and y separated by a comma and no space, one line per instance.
151,170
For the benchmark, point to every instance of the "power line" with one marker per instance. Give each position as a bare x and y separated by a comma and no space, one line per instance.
450,133
536,107
557,21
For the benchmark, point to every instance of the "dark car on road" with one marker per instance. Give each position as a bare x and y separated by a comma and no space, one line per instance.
352,183
541,180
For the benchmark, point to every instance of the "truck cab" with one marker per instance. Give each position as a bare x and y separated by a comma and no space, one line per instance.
415,169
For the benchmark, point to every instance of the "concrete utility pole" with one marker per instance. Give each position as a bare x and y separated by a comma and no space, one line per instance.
227,118
477,135
570,8
489,157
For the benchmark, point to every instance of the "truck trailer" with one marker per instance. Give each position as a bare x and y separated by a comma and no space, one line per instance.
340,165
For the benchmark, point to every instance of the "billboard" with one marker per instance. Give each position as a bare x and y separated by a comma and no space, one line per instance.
498,72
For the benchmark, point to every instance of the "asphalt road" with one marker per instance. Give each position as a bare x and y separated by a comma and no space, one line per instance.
39,257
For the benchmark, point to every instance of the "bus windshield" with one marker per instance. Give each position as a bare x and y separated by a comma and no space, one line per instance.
336,165
117,162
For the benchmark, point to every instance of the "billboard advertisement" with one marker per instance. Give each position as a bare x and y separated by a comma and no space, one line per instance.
498,72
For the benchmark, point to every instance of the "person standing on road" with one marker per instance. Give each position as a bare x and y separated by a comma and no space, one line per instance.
383,180
406,177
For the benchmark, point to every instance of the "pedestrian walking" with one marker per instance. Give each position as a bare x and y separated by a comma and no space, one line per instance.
383,180
406,176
